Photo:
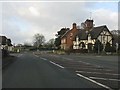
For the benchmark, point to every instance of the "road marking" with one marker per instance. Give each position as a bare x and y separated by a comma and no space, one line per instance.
104,78
20,55
90,68
95,69
36,56
94,81
43,58
90,64
67,58
84,62
56,64
96,73
98,56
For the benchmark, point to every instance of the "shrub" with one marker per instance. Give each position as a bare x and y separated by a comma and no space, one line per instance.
98,46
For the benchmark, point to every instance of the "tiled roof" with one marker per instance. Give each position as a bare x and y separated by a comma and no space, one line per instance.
66,33
82,34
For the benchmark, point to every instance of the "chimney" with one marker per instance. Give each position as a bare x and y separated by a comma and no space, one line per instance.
88,24
74,25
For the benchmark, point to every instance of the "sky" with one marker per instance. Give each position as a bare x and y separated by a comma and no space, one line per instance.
20,21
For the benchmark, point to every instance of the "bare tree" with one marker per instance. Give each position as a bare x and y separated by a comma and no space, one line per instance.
39,40
50,43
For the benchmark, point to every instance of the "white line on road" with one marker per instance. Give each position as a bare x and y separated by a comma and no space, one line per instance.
96,73
56,64
104,78
67,58
94,81
20,55
36,56
95,69
43,58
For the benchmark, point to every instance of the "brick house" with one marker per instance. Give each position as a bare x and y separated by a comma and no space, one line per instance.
68,37
85,36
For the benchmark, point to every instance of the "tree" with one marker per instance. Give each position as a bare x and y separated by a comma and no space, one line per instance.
107,47
57,42
116,38
98,46
26,45
59,35
39,40
50,44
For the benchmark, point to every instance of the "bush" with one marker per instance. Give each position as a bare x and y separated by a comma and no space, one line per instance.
83,50
98,46
107,47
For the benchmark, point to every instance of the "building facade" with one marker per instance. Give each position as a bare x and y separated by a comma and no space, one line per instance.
86,36
68,37
5,43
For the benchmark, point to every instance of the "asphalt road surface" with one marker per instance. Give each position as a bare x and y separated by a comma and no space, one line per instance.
44,70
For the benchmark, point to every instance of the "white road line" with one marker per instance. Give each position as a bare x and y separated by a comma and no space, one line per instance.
56,64
90,64
43,58
36,56
84,62
20,55
98,56
96,73
95,69
104,78
67,58
94,81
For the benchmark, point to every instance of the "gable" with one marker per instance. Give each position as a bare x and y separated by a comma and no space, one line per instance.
94,33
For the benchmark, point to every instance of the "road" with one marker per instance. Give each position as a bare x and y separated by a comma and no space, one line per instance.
49,71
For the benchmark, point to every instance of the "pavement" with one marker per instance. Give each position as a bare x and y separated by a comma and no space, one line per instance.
32,70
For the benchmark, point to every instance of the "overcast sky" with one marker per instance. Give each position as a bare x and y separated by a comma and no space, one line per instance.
21,20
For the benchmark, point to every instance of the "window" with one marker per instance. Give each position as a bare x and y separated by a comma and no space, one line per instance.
89,37
64,41
71,34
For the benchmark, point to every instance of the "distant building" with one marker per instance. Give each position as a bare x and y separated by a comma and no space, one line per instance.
5,43
87,34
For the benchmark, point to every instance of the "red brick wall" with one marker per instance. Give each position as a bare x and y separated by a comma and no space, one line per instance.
70,36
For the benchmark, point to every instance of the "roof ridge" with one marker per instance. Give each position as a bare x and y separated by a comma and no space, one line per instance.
99,26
